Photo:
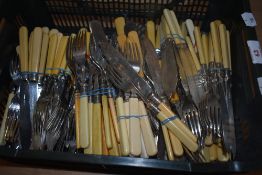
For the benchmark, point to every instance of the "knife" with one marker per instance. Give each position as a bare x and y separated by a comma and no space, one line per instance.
126,78
155,71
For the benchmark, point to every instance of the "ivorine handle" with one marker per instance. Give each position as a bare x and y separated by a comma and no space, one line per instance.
114,117
23,48
106,122
134,128
169,150
150,28
124,142
199,45
97,129
223,45
44,48
51,52
37,41
176,145
193,54
147,133
178,128
215,40
84,131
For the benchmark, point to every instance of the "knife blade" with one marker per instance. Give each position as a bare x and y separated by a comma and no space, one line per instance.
152,65
155,72
169,67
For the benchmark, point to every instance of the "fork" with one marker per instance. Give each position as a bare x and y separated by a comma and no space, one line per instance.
11,124
81,71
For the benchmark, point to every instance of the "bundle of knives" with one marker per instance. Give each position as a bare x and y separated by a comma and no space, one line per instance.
155,91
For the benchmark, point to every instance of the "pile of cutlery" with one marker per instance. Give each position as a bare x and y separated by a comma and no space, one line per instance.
151,91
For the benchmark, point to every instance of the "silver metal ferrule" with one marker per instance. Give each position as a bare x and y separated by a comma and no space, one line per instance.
152,98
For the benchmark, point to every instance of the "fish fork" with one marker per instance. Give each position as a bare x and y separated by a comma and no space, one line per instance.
11,129
80,67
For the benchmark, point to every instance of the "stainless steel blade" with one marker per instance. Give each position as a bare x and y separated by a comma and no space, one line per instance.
169,74
229,137
152,65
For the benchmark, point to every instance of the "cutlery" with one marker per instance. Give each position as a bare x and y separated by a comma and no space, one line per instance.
124,77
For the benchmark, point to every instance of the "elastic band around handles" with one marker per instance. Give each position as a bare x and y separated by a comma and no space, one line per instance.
59,69
100,91
31,73
174,36
163,122
129,117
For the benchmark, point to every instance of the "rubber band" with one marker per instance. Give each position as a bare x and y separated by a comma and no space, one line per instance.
99,91
31,73
129,117
173,36
165,121
59,69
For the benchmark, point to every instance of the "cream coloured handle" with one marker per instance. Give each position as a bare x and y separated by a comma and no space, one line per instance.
37,41
211,55
208,140
176,145
104,147
199,45
2,130
176,24
97,130
150,28
183,29
215,41
114,117
51,52
143,149
59,37
205,47
23,52
229,50
222,156
171,26
77,117
223,45
84,131
164,29
89,150
190,30
44,48
52,32
30,55
127,113
60,53
157,44
114,151
147,133
106,122
193,54
124,141
134,128
88,34
213,152
169,150
120,24
206,153
178,128
121,38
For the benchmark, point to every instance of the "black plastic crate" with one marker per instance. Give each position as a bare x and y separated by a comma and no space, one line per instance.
70,15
